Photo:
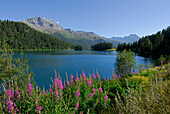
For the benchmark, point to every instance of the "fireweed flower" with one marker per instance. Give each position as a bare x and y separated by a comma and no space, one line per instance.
106,97
94,76
39,108
50,90
68,83
60,85
89,82
77,78
17,93
119,76
77,94
10,106
71,78
161,61
29,88
44,91
98,76
77,106
115,77
91,94
94,90
57,94
138,73
10,93
55,82
100,89
84,76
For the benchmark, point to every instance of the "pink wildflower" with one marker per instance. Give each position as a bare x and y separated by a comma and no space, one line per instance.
60,85
71,77
77,78
119,76
16,109
84,76
105,97
94,76
115,77
39,108
91,94
10,93
138,73
68,83
44,92
98,76
89,82
29,88
51,90
77,94
77,106
94,90
161,61
17,93
100,89
56,92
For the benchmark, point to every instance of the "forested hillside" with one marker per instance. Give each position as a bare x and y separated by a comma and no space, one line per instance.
150,46
20,36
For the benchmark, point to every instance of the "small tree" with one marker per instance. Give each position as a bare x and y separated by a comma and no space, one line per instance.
13,69
125,62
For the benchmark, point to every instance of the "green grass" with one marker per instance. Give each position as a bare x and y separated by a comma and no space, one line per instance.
113,49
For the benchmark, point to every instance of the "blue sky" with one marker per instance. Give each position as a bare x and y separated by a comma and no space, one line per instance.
105,17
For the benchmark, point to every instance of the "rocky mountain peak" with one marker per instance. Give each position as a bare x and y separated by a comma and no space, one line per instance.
42,24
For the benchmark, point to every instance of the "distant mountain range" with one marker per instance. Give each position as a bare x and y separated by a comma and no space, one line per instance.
127,39
85,39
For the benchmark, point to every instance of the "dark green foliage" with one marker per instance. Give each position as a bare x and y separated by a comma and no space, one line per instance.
102,46
12,69
150,46
20,36
78,47
125,62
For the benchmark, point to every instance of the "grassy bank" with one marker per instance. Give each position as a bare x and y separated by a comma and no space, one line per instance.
113,49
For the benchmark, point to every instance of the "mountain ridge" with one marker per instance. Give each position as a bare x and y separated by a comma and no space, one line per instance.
127,39
86,39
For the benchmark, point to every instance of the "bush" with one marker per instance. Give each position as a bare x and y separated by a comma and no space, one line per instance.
125,62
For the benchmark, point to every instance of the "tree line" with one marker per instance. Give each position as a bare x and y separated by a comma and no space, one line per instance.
20,36
150,46
102,46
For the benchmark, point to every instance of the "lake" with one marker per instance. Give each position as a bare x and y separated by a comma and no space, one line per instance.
43,63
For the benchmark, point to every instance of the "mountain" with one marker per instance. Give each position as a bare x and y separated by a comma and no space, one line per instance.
20,36
85,39
42,24
127,39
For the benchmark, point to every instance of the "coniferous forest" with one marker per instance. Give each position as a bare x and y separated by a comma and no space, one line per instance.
150,46
102,46
20,36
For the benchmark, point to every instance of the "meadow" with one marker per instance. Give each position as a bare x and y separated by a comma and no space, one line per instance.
146,91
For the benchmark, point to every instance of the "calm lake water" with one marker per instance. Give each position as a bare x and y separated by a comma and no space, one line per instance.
43,63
